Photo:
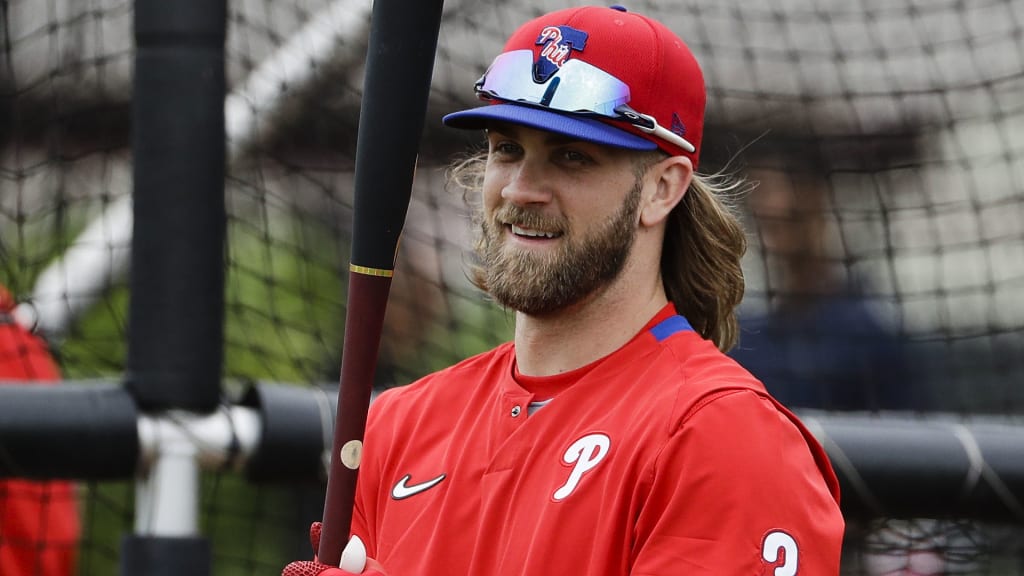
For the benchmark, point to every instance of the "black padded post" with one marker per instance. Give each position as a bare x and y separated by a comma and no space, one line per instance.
177,284
901,465
76,431
297,424
175,337
164,556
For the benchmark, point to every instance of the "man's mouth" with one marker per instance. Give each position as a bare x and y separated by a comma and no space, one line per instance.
530,233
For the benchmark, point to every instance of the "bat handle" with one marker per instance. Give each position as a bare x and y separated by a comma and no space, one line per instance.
364,324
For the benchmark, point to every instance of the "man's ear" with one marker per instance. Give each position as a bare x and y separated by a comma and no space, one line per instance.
670,178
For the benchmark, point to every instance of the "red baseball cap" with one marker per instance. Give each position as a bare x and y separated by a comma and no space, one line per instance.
603,75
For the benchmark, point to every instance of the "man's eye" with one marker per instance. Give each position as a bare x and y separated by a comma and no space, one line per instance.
575,156
504,147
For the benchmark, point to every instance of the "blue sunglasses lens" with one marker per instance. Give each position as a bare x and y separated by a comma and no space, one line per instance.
577,87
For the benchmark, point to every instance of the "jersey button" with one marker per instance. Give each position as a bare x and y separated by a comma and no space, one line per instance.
516,410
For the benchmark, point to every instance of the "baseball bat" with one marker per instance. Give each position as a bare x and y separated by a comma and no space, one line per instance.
399,65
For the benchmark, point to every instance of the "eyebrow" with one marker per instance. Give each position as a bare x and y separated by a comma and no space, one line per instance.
512,130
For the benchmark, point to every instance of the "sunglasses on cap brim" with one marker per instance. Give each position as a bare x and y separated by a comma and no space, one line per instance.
576,88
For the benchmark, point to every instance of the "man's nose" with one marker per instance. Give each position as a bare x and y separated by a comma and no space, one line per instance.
527,186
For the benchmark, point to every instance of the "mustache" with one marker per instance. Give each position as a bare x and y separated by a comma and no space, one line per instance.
518,216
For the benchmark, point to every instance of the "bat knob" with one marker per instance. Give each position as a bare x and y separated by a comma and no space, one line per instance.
353,557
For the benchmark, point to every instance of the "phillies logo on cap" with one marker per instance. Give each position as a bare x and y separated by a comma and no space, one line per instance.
559,42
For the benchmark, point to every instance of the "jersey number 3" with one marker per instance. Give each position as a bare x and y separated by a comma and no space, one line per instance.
779,551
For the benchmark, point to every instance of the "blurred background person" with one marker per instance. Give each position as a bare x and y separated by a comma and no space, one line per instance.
39,524
818,340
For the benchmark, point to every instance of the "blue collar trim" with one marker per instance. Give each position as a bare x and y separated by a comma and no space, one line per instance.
670,326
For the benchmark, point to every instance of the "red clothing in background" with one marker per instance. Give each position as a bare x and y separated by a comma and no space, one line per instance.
38,520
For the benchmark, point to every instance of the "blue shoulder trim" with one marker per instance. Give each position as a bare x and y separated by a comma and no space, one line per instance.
670,326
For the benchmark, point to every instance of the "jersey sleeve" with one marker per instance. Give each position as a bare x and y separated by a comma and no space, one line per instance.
360,524
737,490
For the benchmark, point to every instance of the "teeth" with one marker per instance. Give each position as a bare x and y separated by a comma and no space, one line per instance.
532,233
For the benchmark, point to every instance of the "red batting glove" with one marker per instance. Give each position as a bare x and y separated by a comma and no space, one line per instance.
315,568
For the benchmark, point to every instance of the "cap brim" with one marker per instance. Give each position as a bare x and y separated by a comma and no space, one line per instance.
587,129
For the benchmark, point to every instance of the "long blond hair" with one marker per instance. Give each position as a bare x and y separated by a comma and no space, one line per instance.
700,259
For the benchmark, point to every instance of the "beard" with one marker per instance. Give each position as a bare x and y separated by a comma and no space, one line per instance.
539,284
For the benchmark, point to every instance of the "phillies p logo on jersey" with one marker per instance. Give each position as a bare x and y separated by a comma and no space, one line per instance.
583,455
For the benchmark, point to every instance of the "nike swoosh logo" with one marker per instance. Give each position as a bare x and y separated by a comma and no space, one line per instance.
403,490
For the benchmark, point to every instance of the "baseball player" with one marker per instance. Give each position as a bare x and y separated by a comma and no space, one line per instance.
612,436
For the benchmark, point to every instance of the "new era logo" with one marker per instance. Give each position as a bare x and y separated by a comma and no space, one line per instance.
677,127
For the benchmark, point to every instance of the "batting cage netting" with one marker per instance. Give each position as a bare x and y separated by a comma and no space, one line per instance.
885,273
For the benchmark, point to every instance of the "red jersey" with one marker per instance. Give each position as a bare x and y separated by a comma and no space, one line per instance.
665,457
38,520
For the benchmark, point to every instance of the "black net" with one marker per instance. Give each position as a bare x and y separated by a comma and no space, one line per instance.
886,256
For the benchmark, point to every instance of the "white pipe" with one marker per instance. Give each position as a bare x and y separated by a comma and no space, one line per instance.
165,500
295,63
74,282
174,446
